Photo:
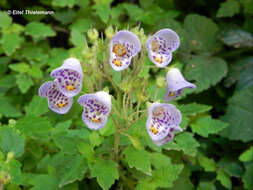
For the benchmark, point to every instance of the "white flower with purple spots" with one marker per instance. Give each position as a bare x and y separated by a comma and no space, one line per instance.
124,45
176,84
57,101
161,45
69,77
97,107
163,120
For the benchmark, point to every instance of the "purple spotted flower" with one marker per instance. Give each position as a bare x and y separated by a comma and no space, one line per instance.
69,77
162,122
57,101
161,45
176,84
97,107
123,46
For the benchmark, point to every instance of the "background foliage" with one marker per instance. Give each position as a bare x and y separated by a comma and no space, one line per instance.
42,150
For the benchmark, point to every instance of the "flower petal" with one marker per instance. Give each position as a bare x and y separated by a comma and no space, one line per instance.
123,46
69,77
168,138
97,107
161,121
57,101
176,84
161,45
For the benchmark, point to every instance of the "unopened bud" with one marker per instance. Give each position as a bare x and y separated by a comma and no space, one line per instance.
93,34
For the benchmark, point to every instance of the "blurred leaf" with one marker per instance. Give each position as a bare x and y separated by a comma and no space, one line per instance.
208,164
105,171
87,151
5,20
103,11
135,159
20,67
193,108
237,38
206,125
7,109
200,34
248,6
11,42
232,167
64,3
77,38
82,25
24,82
133,11
37,106
205,71
247,155
15,172
65,17
206,186
248,176
39,30
12,141
245,79
224,179
185,142
159,160
95,139
238,115
44,181
228,8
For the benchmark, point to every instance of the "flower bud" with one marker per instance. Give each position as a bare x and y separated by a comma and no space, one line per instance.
161,82
93,34
109,32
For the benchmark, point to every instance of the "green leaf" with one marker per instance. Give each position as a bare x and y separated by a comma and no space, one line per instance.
65,17
95,139
64,3
194,108
30,125
228,8
82,25
44,181
206,186
185,142
208,164
224,179
206,125
200,34
86,150
24,82
12,141
159,160
239,116
77,38
135,158
105,171
37,106
5,20
248,6
237,38
232,167
7,109
205,71
134,11
247,155
248,176
35,72
39,30
20,67
11,42
103,11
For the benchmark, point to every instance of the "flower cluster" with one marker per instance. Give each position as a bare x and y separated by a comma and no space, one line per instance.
163,119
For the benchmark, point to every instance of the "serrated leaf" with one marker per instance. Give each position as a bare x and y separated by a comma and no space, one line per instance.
64,3
105,171
95,139
228,8
37,106
194,108
7,109
12,141
33,125
35,72
140,159
200,34
39,30
44,181
11,42
239,116
205,71
224,179
208,164
247,155
86,150
159,160
185,142
5,20
24,82
206,125
237,38
20,67
103,11
248,176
